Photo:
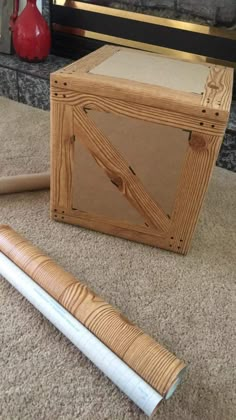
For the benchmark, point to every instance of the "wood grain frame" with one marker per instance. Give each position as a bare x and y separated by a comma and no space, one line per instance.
6,9
204,116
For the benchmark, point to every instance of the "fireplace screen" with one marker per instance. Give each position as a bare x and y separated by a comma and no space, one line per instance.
199,31
6,9
205,12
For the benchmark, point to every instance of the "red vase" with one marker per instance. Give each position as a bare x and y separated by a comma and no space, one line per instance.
31,35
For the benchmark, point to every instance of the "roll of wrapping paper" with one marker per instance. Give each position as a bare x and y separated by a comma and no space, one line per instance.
151,361
142,394
22,183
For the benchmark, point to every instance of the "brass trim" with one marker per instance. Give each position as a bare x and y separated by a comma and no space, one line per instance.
181,55
171,23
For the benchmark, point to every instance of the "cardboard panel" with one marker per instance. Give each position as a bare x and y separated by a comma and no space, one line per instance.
154,152
93,191
156,70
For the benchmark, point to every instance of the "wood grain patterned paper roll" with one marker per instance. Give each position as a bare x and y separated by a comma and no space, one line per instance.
159,368
142,394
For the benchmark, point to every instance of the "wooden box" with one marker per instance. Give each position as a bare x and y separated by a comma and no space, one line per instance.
134,139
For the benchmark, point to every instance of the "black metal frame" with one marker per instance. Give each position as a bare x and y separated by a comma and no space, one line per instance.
208,45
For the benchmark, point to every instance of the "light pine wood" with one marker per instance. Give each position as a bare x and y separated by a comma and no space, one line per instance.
118,170
71,97
77,78
113,227
62,151
204,116
204,122
92,189
195,177
218,91
86,63
156,365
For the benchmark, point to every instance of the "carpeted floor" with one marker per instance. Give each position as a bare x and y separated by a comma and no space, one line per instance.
186,303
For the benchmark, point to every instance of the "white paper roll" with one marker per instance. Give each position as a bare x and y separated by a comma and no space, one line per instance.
142,394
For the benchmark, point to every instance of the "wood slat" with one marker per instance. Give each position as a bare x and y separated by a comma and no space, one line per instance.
204,122
77,78
135,92
113,227
195,177
218,90
62,151
118,170
91,60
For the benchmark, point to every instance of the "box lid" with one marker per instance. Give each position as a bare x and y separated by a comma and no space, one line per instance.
154,69
203,90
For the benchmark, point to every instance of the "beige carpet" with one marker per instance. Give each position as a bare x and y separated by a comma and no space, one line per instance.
186,303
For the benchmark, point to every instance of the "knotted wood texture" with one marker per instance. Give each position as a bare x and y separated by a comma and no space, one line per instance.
108,83
156,365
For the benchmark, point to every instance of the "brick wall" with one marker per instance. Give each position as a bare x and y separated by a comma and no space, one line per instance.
212,11
218,11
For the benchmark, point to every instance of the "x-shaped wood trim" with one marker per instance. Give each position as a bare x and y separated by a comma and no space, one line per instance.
118,170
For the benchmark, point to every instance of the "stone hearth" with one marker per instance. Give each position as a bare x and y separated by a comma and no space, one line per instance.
28,83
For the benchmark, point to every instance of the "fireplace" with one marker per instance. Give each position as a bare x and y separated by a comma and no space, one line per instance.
196,31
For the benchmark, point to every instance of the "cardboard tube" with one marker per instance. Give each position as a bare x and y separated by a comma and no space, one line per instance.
142,394
22,183
150,360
